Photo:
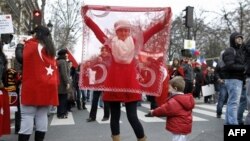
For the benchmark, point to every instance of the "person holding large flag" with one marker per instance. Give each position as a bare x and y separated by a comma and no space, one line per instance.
39,88
122,71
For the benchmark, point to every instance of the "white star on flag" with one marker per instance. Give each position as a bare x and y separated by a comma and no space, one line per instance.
49,70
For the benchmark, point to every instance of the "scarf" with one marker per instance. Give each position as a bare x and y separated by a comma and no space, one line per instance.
123,51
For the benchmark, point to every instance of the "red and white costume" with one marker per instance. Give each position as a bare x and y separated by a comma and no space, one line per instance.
122,73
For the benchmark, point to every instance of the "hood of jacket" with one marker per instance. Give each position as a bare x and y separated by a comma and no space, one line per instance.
185,100
232,39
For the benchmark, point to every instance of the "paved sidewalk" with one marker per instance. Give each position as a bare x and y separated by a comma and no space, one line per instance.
201,100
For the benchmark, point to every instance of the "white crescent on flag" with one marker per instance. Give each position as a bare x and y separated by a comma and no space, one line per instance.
104,73
152,79
39,48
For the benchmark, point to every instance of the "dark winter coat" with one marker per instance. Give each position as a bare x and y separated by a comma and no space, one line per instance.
64,77
234,62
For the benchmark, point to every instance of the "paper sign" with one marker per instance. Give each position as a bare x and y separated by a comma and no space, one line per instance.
189,44
6,25
208,90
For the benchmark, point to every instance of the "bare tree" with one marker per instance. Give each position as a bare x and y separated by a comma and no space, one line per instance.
177,36
42,9
235,19
67,23
211,35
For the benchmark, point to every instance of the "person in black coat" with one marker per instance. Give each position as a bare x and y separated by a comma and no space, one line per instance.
234,70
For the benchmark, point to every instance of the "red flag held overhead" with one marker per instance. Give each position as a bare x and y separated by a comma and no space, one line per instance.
72,59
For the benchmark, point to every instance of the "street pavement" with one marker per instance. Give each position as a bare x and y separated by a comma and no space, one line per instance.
206,127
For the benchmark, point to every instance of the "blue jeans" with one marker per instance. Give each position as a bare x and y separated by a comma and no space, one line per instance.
81,94
242,105
222,98
247,120
234,89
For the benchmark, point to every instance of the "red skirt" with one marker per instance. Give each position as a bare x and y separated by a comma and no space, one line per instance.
122,82
121,96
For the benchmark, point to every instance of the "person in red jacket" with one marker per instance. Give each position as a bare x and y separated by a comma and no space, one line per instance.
122,72
176,69
177,109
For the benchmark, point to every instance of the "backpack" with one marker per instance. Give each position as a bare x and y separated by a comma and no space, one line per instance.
221,62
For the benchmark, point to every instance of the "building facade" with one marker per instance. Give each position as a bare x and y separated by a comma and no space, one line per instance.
22,13
22,19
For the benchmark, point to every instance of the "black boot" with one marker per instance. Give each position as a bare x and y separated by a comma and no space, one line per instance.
39,136
78,103
17,121
83,106
23,137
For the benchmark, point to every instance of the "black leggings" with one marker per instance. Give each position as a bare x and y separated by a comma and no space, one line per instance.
131,110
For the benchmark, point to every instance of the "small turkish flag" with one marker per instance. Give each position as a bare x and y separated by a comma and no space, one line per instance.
72,59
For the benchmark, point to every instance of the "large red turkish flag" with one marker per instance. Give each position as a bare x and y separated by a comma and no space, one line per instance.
135,62
40,76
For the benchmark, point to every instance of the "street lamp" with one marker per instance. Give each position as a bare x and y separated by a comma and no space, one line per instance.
50,25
